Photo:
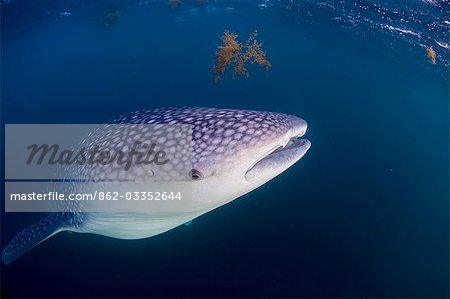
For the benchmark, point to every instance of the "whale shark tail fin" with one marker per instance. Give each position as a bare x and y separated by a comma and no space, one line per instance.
33,235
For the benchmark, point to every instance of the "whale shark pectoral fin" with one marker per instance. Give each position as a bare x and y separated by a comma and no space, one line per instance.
32,236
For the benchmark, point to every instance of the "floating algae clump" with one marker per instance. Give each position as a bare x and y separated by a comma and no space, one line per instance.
234,53
228,53
432,55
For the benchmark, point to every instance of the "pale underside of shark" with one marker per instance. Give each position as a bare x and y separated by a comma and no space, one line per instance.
233,152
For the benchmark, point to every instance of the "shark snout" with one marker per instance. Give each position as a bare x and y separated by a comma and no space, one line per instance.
298,126
295,127
287,151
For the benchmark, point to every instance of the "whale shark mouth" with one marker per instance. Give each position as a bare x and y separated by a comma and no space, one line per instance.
280,158
293,143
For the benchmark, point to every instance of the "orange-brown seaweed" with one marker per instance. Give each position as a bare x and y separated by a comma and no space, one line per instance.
234,53
432,55
228,53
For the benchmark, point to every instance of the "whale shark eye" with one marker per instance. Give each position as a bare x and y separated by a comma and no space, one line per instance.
195,175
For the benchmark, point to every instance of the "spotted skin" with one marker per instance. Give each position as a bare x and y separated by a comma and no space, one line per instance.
218,132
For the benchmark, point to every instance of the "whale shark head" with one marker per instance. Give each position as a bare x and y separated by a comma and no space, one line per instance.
233,151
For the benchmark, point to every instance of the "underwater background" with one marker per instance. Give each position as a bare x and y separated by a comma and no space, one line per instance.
364,214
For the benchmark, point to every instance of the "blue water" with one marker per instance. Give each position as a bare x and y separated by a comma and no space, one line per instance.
364,214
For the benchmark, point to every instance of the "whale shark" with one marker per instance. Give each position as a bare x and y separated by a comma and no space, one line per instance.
232,153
